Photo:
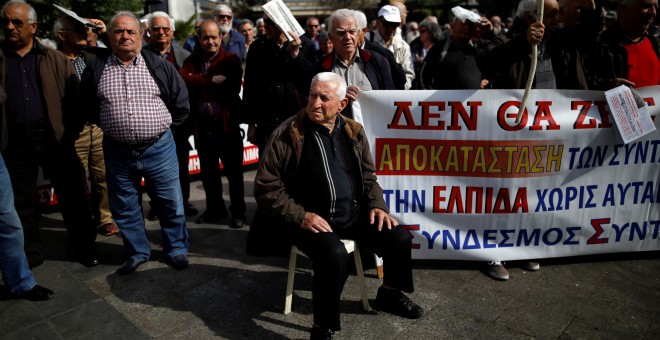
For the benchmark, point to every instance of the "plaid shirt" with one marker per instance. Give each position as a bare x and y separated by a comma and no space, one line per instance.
79,65
131,108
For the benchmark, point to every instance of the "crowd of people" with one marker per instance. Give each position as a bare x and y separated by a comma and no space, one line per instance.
120,102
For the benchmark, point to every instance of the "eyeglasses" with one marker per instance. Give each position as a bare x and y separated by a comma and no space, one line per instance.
423,31
157,29
314,26
18,23
413,29
222,16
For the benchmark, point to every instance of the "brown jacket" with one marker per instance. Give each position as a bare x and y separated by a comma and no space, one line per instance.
59,89
280,161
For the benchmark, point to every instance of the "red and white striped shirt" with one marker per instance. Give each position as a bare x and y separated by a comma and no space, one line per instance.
131,108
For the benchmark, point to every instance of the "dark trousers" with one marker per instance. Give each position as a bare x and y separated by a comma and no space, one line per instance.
182,155
330,262
61,165
228,147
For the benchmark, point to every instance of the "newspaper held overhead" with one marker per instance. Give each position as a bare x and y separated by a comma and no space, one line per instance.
632,118
78,18
282,17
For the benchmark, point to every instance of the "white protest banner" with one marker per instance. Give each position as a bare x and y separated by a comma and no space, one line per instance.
471,184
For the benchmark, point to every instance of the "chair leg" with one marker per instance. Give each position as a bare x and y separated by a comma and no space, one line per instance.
361,281
289,282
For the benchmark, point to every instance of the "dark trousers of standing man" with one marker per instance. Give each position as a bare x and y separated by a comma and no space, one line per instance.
27,150
330,262
228,146
182,155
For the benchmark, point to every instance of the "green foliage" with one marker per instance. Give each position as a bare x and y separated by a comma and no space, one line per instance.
98,9
184,29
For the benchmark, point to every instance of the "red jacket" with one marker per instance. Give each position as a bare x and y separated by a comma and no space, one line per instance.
202,89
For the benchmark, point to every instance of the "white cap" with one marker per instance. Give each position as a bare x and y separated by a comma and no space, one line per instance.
390,13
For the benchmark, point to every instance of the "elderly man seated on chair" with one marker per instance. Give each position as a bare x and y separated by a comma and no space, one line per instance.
317,177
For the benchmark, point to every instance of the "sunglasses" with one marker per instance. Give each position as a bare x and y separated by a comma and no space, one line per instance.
18,23
222,16
390,24
157,29
314,26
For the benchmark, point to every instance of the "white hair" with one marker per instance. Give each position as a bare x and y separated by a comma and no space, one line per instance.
161,14
341,14
333,77
32,14
222,8
361,19
526,7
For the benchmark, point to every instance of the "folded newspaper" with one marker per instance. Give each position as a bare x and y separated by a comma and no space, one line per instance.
283,18
630,113
77,17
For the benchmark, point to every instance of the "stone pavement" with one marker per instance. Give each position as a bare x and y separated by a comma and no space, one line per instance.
228,294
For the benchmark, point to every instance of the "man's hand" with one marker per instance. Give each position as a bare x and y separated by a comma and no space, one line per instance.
485,25
294,45
612,83
535,33
98,22
315,223
218,79
352,92
382,218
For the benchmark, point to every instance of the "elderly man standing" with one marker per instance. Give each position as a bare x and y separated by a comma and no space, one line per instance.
39,125
232,41
16,274
246,28
361,70
317,178
389,19
214,78
161,26
73,38
138,96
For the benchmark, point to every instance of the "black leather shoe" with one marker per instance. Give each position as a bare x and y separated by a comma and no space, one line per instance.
237,223
89,260
129,266
179,262
319,333
189,209
395,302
37,293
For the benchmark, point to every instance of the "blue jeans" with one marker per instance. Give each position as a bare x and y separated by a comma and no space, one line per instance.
13,264
158,165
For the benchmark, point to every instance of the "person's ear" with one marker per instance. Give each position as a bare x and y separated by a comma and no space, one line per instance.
343,104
